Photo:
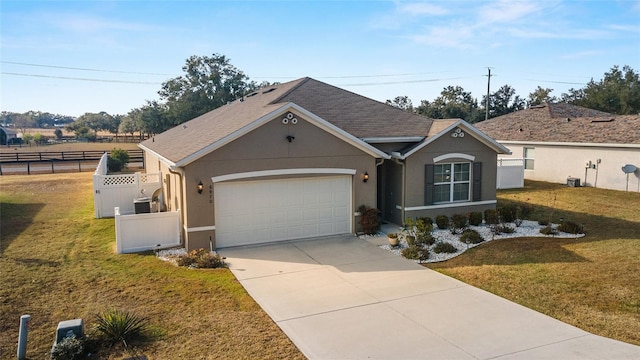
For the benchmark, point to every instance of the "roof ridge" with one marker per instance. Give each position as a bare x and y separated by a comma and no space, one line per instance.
301,81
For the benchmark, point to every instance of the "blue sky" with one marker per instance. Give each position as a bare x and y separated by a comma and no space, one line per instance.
380,49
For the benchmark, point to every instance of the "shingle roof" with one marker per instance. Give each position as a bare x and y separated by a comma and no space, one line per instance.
561,122
355,114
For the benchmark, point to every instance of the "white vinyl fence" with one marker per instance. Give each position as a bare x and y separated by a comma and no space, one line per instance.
142,232
111,191
510,174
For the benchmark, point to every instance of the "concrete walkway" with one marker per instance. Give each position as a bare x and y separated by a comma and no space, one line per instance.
345,298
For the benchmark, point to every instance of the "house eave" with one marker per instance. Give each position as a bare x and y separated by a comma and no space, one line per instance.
161,158
390,140
572,144
314,119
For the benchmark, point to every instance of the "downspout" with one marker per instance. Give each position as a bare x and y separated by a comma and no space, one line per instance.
180,172
397,158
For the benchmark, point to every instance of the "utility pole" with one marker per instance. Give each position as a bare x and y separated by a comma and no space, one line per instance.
486,106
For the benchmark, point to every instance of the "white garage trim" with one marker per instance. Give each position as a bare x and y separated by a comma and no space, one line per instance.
278,172
260,211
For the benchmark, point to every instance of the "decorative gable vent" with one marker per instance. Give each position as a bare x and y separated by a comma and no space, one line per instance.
290,118
458,133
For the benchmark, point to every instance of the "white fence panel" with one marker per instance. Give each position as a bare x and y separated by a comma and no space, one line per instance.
510,174
111,191
142,232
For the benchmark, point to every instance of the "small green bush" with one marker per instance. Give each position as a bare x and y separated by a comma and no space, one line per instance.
411,240
424,239
118,325
458,223
442,221
416,252
471,236
508,213
201,259
570,227
548,230
427,220
502,229
444,247
491,217
69,348
475,218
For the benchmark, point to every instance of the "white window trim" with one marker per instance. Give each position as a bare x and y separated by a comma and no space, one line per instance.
452,182
525,158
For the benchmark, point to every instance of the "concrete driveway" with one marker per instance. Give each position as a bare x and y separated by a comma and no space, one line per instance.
345,298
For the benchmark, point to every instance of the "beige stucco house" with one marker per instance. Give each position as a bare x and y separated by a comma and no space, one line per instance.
560,141
296,160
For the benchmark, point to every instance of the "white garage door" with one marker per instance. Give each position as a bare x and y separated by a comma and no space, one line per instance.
252,212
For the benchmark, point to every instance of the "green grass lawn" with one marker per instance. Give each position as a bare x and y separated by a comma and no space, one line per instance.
58,263
591,282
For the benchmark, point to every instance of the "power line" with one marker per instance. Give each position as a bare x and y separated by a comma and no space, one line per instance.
85,69
83,79
402,82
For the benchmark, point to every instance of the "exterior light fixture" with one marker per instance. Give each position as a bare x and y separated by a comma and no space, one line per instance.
365,177
200,187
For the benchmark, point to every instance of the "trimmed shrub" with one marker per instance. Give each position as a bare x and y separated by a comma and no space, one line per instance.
69,348
425,239
507,213
427,220
543,222
502,229
491,217
444,247
416,252
201,259
548,230
411,240
369,220
442,221
475,218
570,227
471,236
458,223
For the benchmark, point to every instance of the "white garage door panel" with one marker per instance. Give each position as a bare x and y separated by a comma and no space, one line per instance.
252,212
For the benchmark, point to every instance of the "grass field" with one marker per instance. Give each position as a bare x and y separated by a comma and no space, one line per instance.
97,146
592,282
58,263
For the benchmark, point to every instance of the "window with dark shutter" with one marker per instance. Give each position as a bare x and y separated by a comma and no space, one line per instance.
477,181
428,184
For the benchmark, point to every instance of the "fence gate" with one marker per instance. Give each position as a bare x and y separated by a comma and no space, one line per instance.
510,174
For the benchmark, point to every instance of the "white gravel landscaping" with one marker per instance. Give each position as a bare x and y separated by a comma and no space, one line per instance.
526,229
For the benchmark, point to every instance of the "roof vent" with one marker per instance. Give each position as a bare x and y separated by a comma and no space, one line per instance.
602,121
541,106
268,91
252,94
568,119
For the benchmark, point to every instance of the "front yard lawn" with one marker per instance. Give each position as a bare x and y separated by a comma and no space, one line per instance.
591,282
58,263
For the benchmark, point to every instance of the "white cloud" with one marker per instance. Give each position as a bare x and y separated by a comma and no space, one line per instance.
504,11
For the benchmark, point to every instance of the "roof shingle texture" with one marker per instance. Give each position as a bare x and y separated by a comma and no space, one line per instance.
360,116
562,122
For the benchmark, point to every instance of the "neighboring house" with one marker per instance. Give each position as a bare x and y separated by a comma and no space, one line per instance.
560,141
296,160
8,137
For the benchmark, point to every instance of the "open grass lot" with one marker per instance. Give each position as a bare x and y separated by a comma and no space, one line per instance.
97,146
592,282
57,263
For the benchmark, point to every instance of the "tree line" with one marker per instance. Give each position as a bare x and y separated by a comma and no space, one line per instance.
209,82
618,92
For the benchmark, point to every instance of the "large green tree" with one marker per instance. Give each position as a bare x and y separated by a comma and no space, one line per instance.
504,101
208,83
401,102
94,121
453,103
539,96
618,92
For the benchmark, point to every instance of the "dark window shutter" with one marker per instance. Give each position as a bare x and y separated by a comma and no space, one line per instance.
477,181
428,184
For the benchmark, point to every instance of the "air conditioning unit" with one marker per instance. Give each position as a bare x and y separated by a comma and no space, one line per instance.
142,205
573,182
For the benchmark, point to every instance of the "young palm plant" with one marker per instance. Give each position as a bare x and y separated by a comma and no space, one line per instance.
118,325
